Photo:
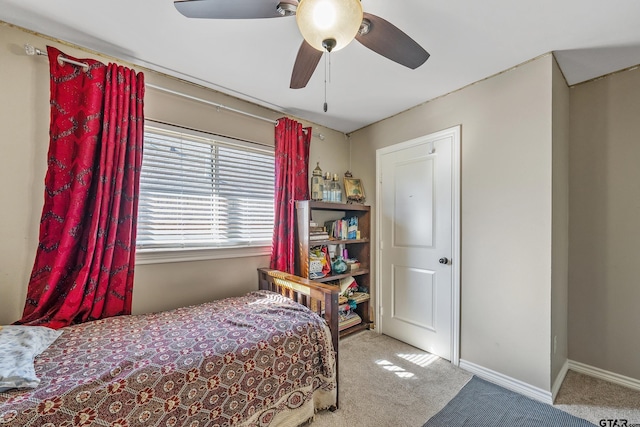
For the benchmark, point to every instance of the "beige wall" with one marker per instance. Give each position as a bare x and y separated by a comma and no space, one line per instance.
560,224
506,211
604,274
24,124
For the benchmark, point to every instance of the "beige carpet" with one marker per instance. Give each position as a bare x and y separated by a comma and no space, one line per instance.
384,382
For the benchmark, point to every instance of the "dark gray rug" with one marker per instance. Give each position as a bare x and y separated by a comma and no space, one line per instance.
481,403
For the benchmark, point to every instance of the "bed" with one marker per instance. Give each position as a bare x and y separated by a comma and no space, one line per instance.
266,358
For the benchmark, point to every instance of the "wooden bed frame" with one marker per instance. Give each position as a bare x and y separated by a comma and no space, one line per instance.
320,298
126,358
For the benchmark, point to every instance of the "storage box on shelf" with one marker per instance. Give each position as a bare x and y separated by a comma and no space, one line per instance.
308,236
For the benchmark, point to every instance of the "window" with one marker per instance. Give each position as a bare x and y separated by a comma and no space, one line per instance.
200,191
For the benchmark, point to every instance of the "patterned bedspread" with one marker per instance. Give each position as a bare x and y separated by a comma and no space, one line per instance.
257,360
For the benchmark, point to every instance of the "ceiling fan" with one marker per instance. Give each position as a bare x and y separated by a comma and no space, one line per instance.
326,25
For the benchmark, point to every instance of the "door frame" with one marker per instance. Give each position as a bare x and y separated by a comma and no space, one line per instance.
453,132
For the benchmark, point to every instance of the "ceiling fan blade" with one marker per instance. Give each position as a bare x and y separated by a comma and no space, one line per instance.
389,41
306,63
230,9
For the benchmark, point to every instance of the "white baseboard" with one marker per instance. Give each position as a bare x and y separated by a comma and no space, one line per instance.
508,382
540,394
559,379
604,375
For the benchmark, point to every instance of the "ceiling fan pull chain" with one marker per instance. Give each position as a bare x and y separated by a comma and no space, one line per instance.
327,71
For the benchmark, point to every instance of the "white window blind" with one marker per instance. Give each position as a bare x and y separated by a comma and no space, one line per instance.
203,191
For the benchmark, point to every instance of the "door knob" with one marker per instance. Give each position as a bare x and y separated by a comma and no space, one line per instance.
443,260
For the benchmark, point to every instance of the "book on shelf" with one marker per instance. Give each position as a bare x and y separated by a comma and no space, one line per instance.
347,317
359,297
322,236
343,229
348,320
333,228
352,227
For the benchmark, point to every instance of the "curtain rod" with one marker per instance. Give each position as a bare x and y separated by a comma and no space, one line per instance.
34,51
215,104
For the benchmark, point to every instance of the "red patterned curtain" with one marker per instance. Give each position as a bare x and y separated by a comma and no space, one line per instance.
85,259
292,183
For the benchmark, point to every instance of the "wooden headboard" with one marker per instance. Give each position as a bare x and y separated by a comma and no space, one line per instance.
320,298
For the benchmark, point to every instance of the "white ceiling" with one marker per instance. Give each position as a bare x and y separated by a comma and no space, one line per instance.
252,59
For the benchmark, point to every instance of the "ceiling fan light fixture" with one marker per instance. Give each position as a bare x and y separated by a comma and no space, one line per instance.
322,20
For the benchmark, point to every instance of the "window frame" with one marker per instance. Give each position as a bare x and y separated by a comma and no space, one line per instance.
168,255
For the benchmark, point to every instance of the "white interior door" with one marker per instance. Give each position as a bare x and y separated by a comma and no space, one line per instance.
416,236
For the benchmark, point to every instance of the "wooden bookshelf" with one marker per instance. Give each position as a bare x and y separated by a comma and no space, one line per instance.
357,248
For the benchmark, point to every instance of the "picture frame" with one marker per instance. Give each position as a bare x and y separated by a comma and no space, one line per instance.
354,190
